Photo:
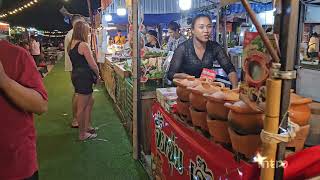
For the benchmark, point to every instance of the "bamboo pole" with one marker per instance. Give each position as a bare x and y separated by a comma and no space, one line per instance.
261,31
135,77
271,125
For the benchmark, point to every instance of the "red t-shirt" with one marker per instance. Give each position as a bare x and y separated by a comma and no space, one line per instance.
18,158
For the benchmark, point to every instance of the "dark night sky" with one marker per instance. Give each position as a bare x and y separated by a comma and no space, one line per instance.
45,14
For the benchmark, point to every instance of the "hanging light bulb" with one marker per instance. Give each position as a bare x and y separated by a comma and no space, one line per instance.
185,4
121,11
108,17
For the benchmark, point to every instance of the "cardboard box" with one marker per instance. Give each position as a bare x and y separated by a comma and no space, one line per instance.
166,94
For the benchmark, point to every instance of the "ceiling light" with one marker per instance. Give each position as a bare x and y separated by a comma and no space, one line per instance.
108,17
185,4
121,11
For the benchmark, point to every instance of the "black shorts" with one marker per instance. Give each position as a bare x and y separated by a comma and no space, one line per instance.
82,82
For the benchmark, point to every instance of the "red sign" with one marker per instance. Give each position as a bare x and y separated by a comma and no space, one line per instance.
209,74
181,153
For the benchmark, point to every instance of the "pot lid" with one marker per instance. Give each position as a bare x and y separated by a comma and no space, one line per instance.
242,107
224,95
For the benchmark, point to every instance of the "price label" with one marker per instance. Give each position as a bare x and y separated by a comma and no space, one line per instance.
208,74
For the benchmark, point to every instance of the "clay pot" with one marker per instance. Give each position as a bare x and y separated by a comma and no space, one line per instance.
299,140
247,145
299,111
243,119
183,109
197,100
199,119
218,130
183,84
215,103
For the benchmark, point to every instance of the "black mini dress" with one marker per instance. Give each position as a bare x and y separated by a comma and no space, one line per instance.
82,76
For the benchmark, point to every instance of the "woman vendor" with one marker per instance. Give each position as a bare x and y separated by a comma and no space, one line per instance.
199,52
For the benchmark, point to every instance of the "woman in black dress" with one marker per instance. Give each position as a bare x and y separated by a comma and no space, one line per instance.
199,52
85,73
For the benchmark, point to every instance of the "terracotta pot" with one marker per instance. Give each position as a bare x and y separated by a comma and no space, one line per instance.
299,111
299,140
243,119
199,119
183,84
247,145
183,109
197,100
218,130
215,103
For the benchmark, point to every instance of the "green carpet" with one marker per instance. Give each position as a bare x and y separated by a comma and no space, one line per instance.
62,157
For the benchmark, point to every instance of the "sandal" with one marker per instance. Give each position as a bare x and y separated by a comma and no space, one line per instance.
90,136
74,125
92,130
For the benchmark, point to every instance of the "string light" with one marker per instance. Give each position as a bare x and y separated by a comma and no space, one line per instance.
19,9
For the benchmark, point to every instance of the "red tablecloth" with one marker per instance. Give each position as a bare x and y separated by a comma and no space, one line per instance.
178,152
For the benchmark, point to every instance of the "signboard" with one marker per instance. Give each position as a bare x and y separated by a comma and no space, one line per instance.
4,28
181,153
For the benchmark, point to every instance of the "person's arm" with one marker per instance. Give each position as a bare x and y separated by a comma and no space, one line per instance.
25,98
169,44
233,79
175,63
226,64
85,50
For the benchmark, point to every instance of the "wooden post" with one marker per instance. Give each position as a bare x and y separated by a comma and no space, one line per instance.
136,79
288,45
271,125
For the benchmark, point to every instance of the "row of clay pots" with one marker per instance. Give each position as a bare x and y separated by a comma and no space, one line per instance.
228,119
197,99
183,110
199,119
183,85
198,102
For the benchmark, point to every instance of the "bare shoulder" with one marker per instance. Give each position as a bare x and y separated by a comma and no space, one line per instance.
83,46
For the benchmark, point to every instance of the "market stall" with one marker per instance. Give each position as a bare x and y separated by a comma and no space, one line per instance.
202,129
307,81
212,132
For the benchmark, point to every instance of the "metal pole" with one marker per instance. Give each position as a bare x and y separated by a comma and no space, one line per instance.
224,30
217,23
136,78
93,47
289,20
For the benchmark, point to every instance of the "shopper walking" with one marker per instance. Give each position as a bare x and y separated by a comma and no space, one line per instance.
22,93
35,49
85,73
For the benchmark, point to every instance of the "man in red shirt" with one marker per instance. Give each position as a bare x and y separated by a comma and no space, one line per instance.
22,93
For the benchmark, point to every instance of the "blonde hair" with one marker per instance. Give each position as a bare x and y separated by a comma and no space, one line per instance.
80,33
